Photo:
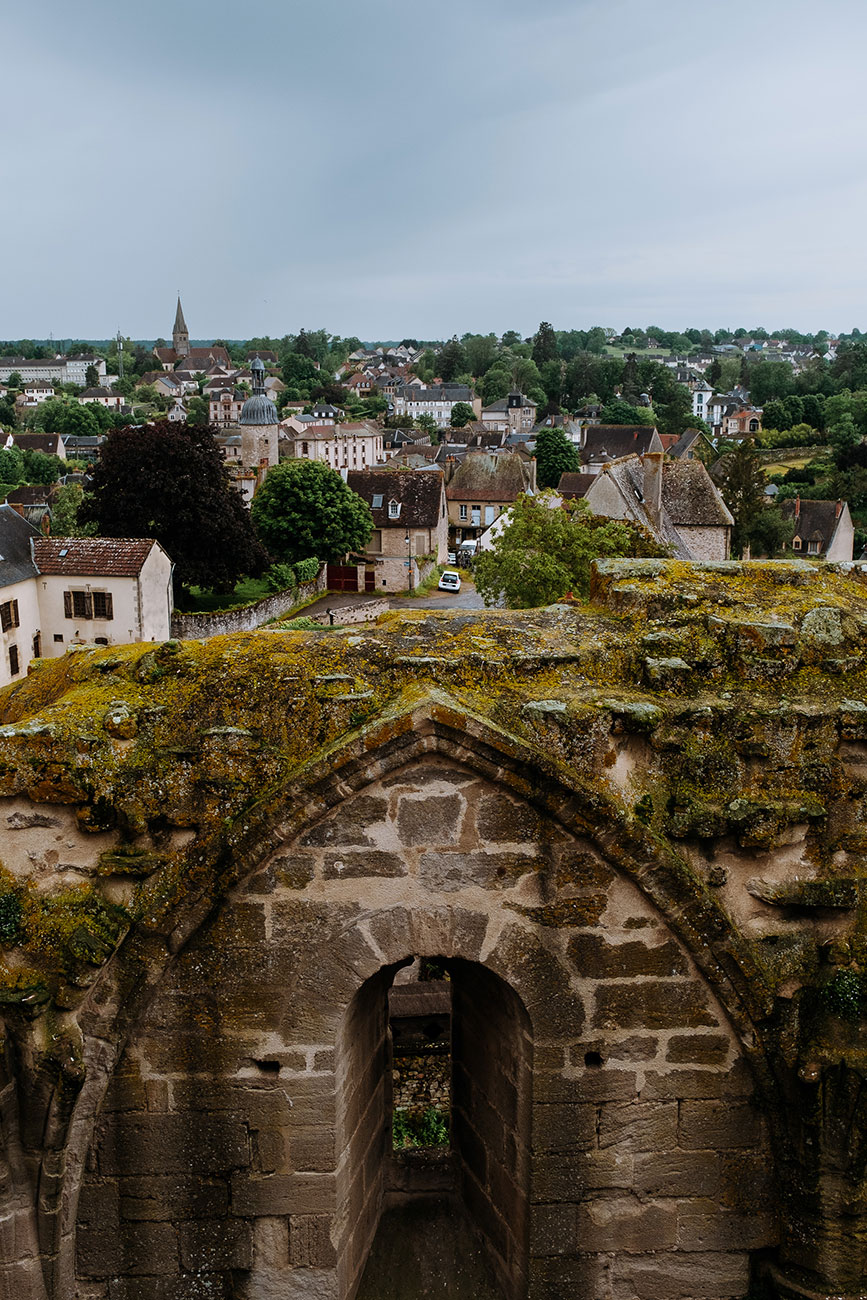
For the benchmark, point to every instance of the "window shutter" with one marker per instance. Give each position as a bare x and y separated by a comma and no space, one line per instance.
109,605
88,605
67,604
15,619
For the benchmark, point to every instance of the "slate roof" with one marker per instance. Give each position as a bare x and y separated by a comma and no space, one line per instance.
574,485
420,496
619,440
504,405
687,440
16,534
815,521
47,442
690,498
485,476
97,392
105,557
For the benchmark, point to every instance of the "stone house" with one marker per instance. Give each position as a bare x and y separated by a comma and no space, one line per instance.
51,444
437,402
102,397
56,592
513,414
225,406
674,500
355,445
601,443
410,522
823,529
481,487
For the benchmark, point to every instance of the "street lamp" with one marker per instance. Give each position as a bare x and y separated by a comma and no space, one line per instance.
408,558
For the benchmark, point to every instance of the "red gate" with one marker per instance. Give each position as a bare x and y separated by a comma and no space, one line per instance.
342,577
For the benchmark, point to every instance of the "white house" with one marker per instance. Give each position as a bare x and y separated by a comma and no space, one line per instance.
61,591
437,402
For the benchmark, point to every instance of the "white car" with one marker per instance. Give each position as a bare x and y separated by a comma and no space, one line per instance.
450,581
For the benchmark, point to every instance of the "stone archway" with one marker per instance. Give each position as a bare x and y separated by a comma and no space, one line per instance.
218,1156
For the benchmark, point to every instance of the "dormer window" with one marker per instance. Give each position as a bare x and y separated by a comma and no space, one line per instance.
394,509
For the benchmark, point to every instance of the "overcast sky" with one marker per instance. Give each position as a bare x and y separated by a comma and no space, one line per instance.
391,169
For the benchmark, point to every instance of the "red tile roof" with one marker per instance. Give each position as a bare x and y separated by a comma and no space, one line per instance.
107,557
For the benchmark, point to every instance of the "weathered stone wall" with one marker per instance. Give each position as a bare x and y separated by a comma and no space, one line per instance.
644,817
247,617
257,1087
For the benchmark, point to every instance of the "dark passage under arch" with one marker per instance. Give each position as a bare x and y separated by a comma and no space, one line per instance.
456,1224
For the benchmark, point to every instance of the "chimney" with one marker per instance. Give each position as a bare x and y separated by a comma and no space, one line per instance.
652,463
838,507
798,506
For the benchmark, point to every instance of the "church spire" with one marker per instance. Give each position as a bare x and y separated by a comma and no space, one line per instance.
180,323
180,333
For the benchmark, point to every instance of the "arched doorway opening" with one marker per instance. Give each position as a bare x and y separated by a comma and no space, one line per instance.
460,1204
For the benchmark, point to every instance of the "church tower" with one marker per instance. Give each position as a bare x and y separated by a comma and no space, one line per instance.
180,334
260,430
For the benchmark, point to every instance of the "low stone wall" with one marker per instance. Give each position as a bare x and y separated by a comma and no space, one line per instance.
246,617
365,612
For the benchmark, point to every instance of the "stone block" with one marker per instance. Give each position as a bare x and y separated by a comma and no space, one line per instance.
282,1194
682,1083
677,1173
553,1230
501,820
310,1241
429,821
566,1178
312,1149
600,1085
698,1049
682,1277
716,1230
638,1126
747,1182
149,1248
172,1198
186,1286
592,955
637,1047
445,872
625,1225
718,1125
654,1004
348,825
208,1245
343,865
564,1128
163,1144
557,1278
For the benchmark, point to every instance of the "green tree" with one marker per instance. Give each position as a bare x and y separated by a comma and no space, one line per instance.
496,384
452,361
427,424
545,345
14,380
91,377
169,481
742,483
555,455
198,412
462,415
481,352
65,511
619,412
40,467
510,338
545,552
304,509
11,465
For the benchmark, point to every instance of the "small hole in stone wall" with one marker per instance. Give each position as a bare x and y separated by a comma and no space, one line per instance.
268,1067
593,1060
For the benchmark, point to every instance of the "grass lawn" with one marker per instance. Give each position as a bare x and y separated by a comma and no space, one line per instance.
797,462
199,601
